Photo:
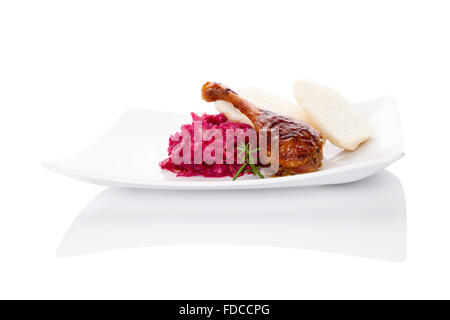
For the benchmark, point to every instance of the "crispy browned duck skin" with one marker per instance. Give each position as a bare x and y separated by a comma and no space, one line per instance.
300,145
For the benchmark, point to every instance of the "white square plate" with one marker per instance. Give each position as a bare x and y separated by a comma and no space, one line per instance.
128,155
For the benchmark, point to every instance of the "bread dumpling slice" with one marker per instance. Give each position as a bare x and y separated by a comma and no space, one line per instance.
263,100
338,121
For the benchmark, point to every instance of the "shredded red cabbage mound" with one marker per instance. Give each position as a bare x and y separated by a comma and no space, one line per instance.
217,121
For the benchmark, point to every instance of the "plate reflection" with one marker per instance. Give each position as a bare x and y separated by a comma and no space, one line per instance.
365,218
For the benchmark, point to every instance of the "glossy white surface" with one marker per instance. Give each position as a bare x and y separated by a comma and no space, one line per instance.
128,155
373,226
68,70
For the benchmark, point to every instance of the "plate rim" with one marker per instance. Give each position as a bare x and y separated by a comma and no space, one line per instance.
149,184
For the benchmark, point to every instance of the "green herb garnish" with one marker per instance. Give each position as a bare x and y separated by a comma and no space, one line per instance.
246,154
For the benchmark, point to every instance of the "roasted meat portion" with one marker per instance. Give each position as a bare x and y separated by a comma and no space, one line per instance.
300,145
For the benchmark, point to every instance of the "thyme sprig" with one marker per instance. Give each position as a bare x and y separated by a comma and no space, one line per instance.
246,152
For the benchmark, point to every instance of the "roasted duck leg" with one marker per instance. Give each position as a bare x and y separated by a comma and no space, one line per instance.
300,145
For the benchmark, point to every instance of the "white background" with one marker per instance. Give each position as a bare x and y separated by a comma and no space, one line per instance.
68,69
